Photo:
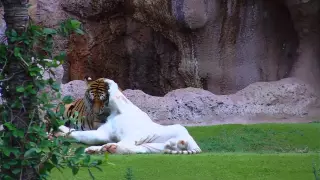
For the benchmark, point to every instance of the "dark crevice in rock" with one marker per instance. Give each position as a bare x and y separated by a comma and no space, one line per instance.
155,68
278,24
306,17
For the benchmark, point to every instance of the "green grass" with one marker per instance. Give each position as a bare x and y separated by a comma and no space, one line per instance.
207,166
258,138
232,152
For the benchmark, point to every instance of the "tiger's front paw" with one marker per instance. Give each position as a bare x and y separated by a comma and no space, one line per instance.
64,129
93,149
53,135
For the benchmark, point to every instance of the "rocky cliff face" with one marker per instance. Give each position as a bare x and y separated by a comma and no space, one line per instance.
161,45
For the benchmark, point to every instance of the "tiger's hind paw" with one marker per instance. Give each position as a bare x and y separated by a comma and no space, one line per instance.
182,145
110,148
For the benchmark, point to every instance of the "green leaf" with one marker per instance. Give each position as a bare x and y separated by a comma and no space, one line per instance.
47,166
75,170
35,68
16,171
29,152
15,152
32,91
12,162
32,73
38,150
32,144
86,159
16,52
30,86
20,89
14,33
61,57
79,151
6,166
3,50
55,86
79,31
61,109
18,133
49,31
45,143
49,106
6,151
10,126
66,143
75,24
54,159
67,100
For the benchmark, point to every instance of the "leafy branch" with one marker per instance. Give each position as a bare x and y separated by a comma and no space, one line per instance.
22,148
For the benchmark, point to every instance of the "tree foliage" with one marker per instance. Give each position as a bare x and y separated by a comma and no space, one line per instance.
23,148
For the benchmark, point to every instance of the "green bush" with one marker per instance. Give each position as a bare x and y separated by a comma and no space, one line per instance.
22,149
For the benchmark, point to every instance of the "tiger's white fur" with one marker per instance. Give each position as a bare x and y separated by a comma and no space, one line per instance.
130,130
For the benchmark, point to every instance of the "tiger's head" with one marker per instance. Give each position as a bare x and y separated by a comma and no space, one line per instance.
96,95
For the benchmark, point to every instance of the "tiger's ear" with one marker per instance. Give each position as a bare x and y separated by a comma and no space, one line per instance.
88,80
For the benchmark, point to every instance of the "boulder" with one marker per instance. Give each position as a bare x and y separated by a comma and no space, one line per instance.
75,89
277,101
55,73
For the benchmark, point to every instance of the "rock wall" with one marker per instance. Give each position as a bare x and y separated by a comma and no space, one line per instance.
306,17
161,45
249,41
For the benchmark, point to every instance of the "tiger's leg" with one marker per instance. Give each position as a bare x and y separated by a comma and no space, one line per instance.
126,148
91,137
175,137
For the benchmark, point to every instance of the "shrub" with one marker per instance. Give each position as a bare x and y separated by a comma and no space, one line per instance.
30,148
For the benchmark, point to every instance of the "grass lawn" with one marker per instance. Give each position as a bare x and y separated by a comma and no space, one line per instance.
232,152
258,137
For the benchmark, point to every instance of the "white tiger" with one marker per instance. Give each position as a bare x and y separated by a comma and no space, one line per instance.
130,130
